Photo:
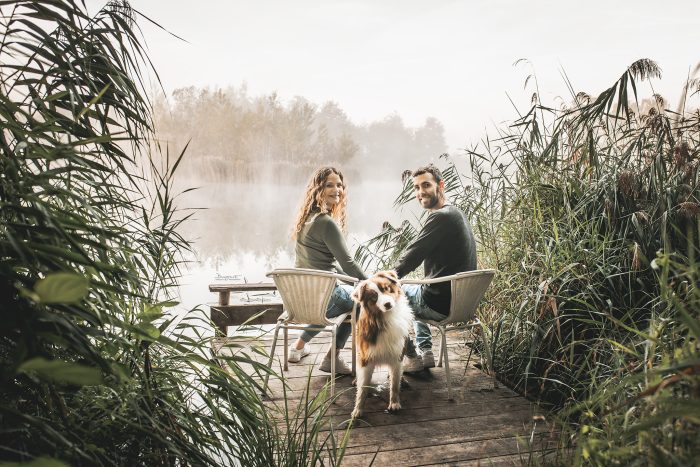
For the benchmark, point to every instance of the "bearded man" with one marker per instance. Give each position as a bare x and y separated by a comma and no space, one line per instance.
445,246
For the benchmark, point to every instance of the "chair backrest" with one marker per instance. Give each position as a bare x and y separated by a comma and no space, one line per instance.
305,293
467,290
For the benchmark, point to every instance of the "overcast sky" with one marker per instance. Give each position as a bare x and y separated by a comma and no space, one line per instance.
452,60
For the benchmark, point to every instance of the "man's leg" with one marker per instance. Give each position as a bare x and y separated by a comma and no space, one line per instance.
414,293
424,338
412,362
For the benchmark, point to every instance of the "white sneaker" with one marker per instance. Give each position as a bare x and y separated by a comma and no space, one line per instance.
428,358
412,364
341,368
294,354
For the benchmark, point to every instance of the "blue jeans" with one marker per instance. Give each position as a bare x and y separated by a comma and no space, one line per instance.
339,303
414,294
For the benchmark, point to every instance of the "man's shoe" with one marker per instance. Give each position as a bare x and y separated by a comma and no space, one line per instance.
341,368
412,364
428,358
294,354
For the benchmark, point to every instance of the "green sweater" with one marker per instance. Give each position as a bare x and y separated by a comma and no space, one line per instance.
320,245
445,246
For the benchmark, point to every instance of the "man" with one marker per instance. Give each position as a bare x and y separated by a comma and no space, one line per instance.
445,246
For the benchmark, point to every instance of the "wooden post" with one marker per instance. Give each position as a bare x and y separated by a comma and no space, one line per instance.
224,296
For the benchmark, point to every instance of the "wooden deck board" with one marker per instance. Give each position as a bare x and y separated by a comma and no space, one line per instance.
483,425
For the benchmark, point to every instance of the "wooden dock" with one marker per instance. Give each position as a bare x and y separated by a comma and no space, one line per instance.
483,425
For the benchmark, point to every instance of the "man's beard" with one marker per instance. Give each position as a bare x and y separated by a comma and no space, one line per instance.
434,200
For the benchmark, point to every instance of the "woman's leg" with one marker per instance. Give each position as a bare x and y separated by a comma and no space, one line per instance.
339,303
309,333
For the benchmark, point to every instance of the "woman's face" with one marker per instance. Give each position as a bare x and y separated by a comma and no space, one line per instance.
332,190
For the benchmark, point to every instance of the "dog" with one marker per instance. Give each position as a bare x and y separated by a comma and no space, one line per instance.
382,329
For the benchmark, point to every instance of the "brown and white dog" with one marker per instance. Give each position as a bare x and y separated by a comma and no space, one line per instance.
382,328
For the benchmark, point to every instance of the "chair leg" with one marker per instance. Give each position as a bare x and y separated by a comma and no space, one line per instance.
471,348
286,348
333,331
443,350
447,363
272,354
489,357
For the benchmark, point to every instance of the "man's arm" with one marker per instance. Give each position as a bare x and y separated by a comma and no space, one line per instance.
428,238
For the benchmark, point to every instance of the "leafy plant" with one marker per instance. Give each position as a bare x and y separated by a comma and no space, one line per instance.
95,369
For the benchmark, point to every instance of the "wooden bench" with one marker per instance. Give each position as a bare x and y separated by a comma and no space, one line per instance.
224,314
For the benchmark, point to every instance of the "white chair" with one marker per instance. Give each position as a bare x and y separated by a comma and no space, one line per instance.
305,294
467,290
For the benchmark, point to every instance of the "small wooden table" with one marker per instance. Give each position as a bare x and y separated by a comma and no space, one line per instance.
224,314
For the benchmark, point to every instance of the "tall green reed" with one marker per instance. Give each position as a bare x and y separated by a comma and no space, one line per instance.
572,205
95,369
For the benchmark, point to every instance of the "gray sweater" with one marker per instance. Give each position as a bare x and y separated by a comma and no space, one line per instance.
445,246
320,245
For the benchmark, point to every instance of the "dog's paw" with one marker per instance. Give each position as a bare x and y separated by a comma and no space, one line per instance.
357,413
394,407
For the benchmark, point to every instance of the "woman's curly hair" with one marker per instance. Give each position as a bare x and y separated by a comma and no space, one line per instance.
312,201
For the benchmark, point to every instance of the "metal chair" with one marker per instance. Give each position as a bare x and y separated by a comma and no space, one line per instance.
467,290
305,294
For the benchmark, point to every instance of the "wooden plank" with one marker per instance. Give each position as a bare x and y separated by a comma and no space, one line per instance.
248,287
374,413
442,453
415,396
408,435
535,457
236,315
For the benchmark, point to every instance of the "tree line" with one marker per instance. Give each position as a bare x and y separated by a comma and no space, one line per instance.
235,137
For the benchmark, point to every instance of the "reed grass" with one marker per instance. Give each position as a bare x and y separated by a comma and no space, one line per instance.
95,369
590,212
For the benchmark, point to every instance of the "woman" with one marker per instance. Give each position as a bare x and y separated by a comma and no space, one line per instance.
320,244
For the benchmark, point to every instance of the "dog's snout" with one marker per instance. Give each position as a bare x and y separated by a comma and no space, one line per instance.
387,305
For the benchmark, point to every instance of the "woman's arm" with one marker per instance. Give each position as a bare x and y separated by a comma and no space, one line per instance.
336,245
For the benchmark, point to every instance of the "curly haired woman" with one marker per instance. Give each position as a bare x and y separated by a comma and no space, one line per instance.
320,244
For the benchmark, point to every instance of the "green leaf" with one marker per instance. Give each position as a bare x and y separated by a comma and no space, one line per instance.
150,330
62,287
121,371
60,371
150,313
38,462
30,294
94,100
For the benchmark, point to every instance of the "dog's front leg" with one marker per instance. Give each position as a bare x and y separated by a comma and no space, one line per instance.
364,379
395,387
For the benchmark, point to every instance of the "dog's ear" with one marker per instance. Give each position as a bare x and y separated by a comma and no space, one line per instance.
359,291
391,276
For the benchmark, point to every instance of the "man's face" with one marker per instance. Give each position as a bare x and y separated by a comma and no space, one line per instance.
428,193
